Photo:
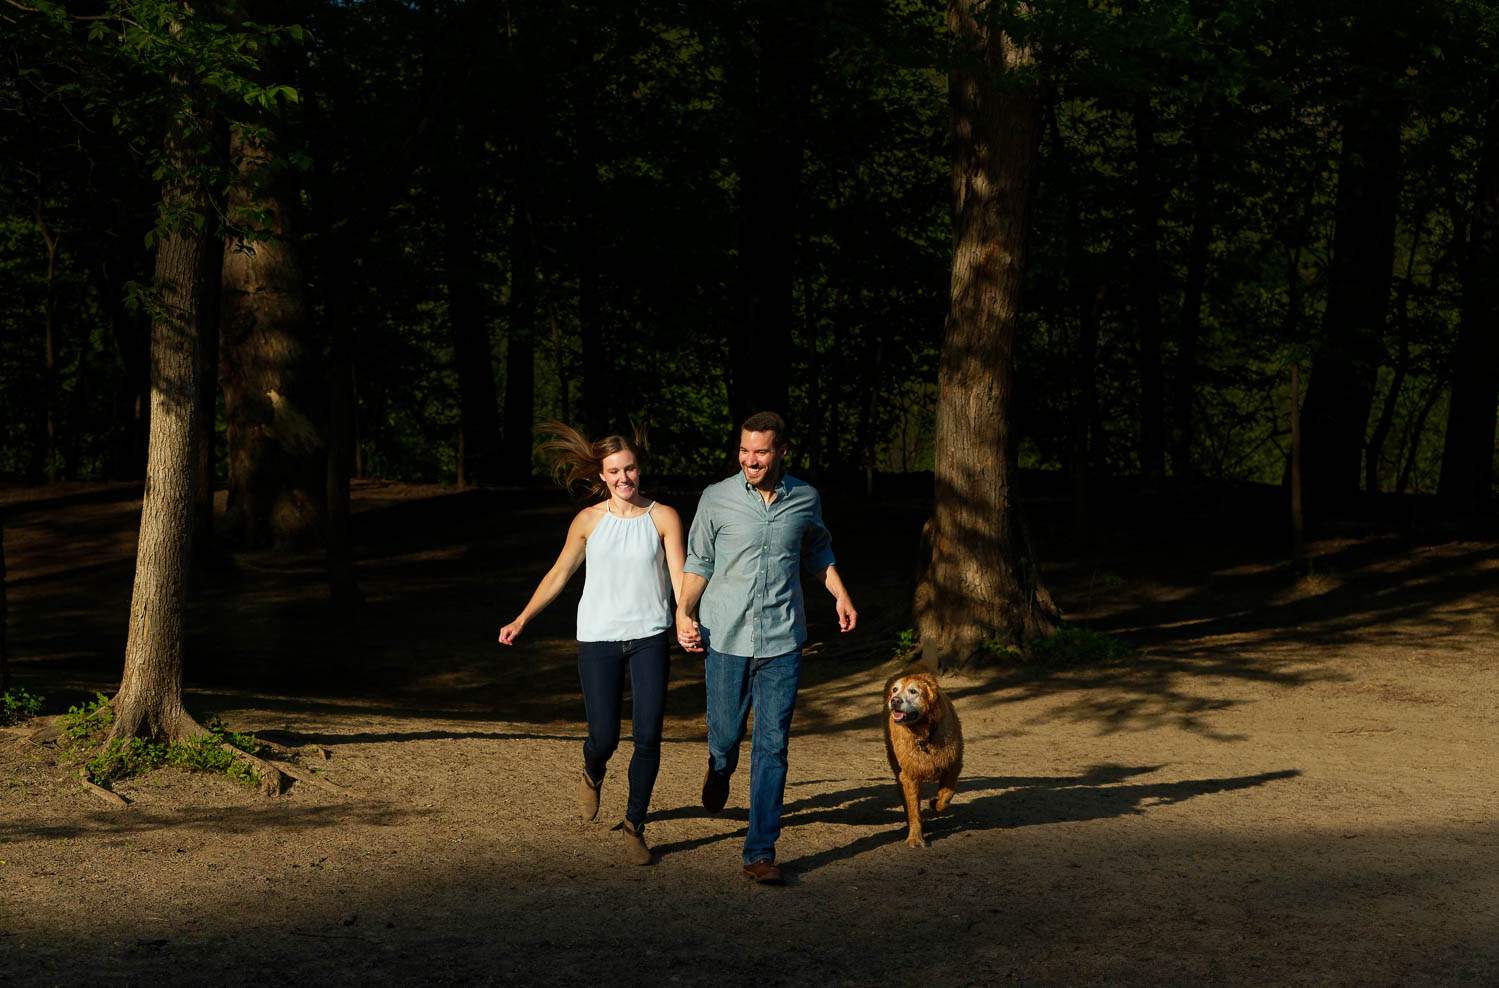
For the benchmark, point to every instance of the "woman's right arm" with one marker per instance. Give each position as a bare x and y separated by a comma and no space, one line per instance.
568,561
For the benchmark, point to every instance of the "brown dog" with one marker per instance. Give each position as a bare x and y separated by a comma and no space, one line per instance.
924,743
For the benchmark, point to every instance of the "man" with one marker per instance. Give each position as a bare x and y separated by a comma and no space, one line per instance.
752,534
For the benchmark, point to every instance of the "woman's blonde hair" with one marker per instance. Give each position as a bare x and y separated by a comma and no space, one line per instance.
577,462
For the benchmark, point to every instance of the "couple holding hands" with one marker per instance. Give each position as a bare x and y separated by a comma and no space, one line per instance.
736,578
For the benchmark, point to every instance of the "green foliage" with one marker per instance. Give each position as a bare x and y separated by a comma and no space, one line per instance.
85,727
125,759
997,650
1073,645
905,641
18,704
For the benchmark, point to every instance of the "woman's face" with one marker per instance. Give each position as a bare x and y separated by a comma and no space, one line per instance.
621,474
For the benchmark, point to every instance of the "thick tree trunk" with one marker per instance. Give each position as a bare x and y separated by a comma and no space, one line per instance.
1374,451
1336,415
770,171
1147,284
149,701
1467,482
982,582
270,362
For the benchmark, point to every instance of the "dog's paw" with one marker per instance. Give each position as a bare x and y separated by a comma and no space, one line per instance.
916,840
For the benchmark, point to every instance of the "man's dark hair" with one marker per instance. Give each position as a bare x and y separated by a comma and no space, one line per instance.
766,422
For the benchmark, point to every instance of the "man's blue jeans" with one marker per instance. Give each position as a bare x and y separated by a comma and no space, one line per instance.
736,683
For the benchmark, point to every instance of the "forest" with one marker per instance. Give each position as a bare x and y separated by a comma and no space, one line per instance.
445,222
1145,352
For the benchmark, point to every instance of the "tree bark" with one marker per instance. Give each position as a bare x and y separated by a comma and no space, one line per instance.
520,349
1344,369
1467,481
770,171
49,369
149,700
982,582
1374,451
1147,283
4,614
270,363
1189,333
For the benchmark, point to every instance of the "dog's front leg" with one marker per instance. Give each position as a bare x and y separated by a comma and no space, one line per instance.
945,790
911,790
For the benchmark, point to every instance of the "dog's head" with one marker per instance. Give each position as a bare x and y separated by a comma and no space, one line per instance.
913,698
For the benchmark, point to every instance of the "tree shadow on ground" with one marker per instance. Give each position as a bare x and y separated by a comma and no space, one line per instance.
216,821
983,803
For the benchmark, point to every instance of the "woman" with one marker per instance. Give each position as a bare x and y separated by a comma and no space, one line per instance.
635,551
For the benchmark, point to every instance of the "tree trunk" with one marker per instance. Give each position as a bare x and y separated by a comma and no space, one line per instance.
520,350
1374,451
1147,282
49,370
592,336
982,582
770,170
1341,392
1467,482
149,701
269,361
208,393
1189,334
477,403
4,614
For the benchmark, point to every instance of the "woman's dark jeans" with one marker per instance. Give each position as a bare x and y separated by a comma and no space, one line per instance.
601,671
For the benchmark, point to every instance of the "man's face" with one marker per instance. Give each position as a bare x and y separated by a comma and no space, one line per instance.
760,458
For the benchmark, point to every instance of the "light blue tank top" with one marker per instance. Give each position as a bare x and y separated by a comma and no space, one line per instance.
626,588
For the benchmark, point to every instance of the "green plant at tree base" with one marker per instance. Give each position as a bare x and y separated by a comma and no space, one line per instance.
905,642
84,729
997,650
1071,645
18,704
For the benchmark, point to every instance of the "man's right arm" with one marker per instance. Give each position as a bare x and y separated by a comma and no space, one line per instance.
696,573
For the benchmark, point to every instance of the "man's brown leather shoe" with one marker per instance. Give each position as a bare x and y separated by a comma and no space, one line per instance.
764,872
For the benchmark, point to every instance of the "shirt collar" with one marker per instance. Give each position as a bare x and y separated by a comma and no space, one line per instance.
780,487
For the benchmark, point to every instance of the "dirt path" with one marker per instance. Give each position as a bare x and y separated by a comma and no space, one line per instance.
1292,783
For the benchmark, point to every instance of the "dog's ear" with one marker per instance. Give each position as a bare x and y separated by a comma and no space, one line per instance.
932,694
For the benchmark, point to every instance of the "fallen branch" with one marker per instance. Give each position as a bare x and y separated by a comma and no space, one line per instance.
114,799
311,778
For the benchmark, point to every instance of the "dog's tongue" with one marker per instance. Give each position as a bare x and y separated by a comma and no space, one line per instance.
898,714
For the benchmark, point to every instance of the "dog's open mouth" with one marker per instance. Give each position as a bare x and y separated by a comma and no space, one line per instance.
898,715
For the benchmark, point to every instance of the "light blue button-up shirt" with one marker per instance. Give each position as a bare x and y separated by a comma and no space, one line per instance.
751,553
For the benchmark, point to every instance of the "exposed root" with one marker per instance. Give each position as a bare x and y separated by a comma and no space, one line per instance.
311,778
272,781
114,799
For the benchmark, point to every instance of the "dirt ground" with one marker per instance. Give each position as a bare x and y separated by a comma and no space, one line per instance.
1292,781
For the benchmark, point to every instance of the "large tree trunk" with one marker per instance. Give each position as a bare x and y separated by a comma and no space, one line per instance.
982,582
270,363
1467,482
1147,283
149,701
1344,369
770,170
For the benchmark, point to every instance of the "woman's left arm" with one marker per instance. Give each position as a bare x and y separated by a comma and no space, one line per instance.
669,524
